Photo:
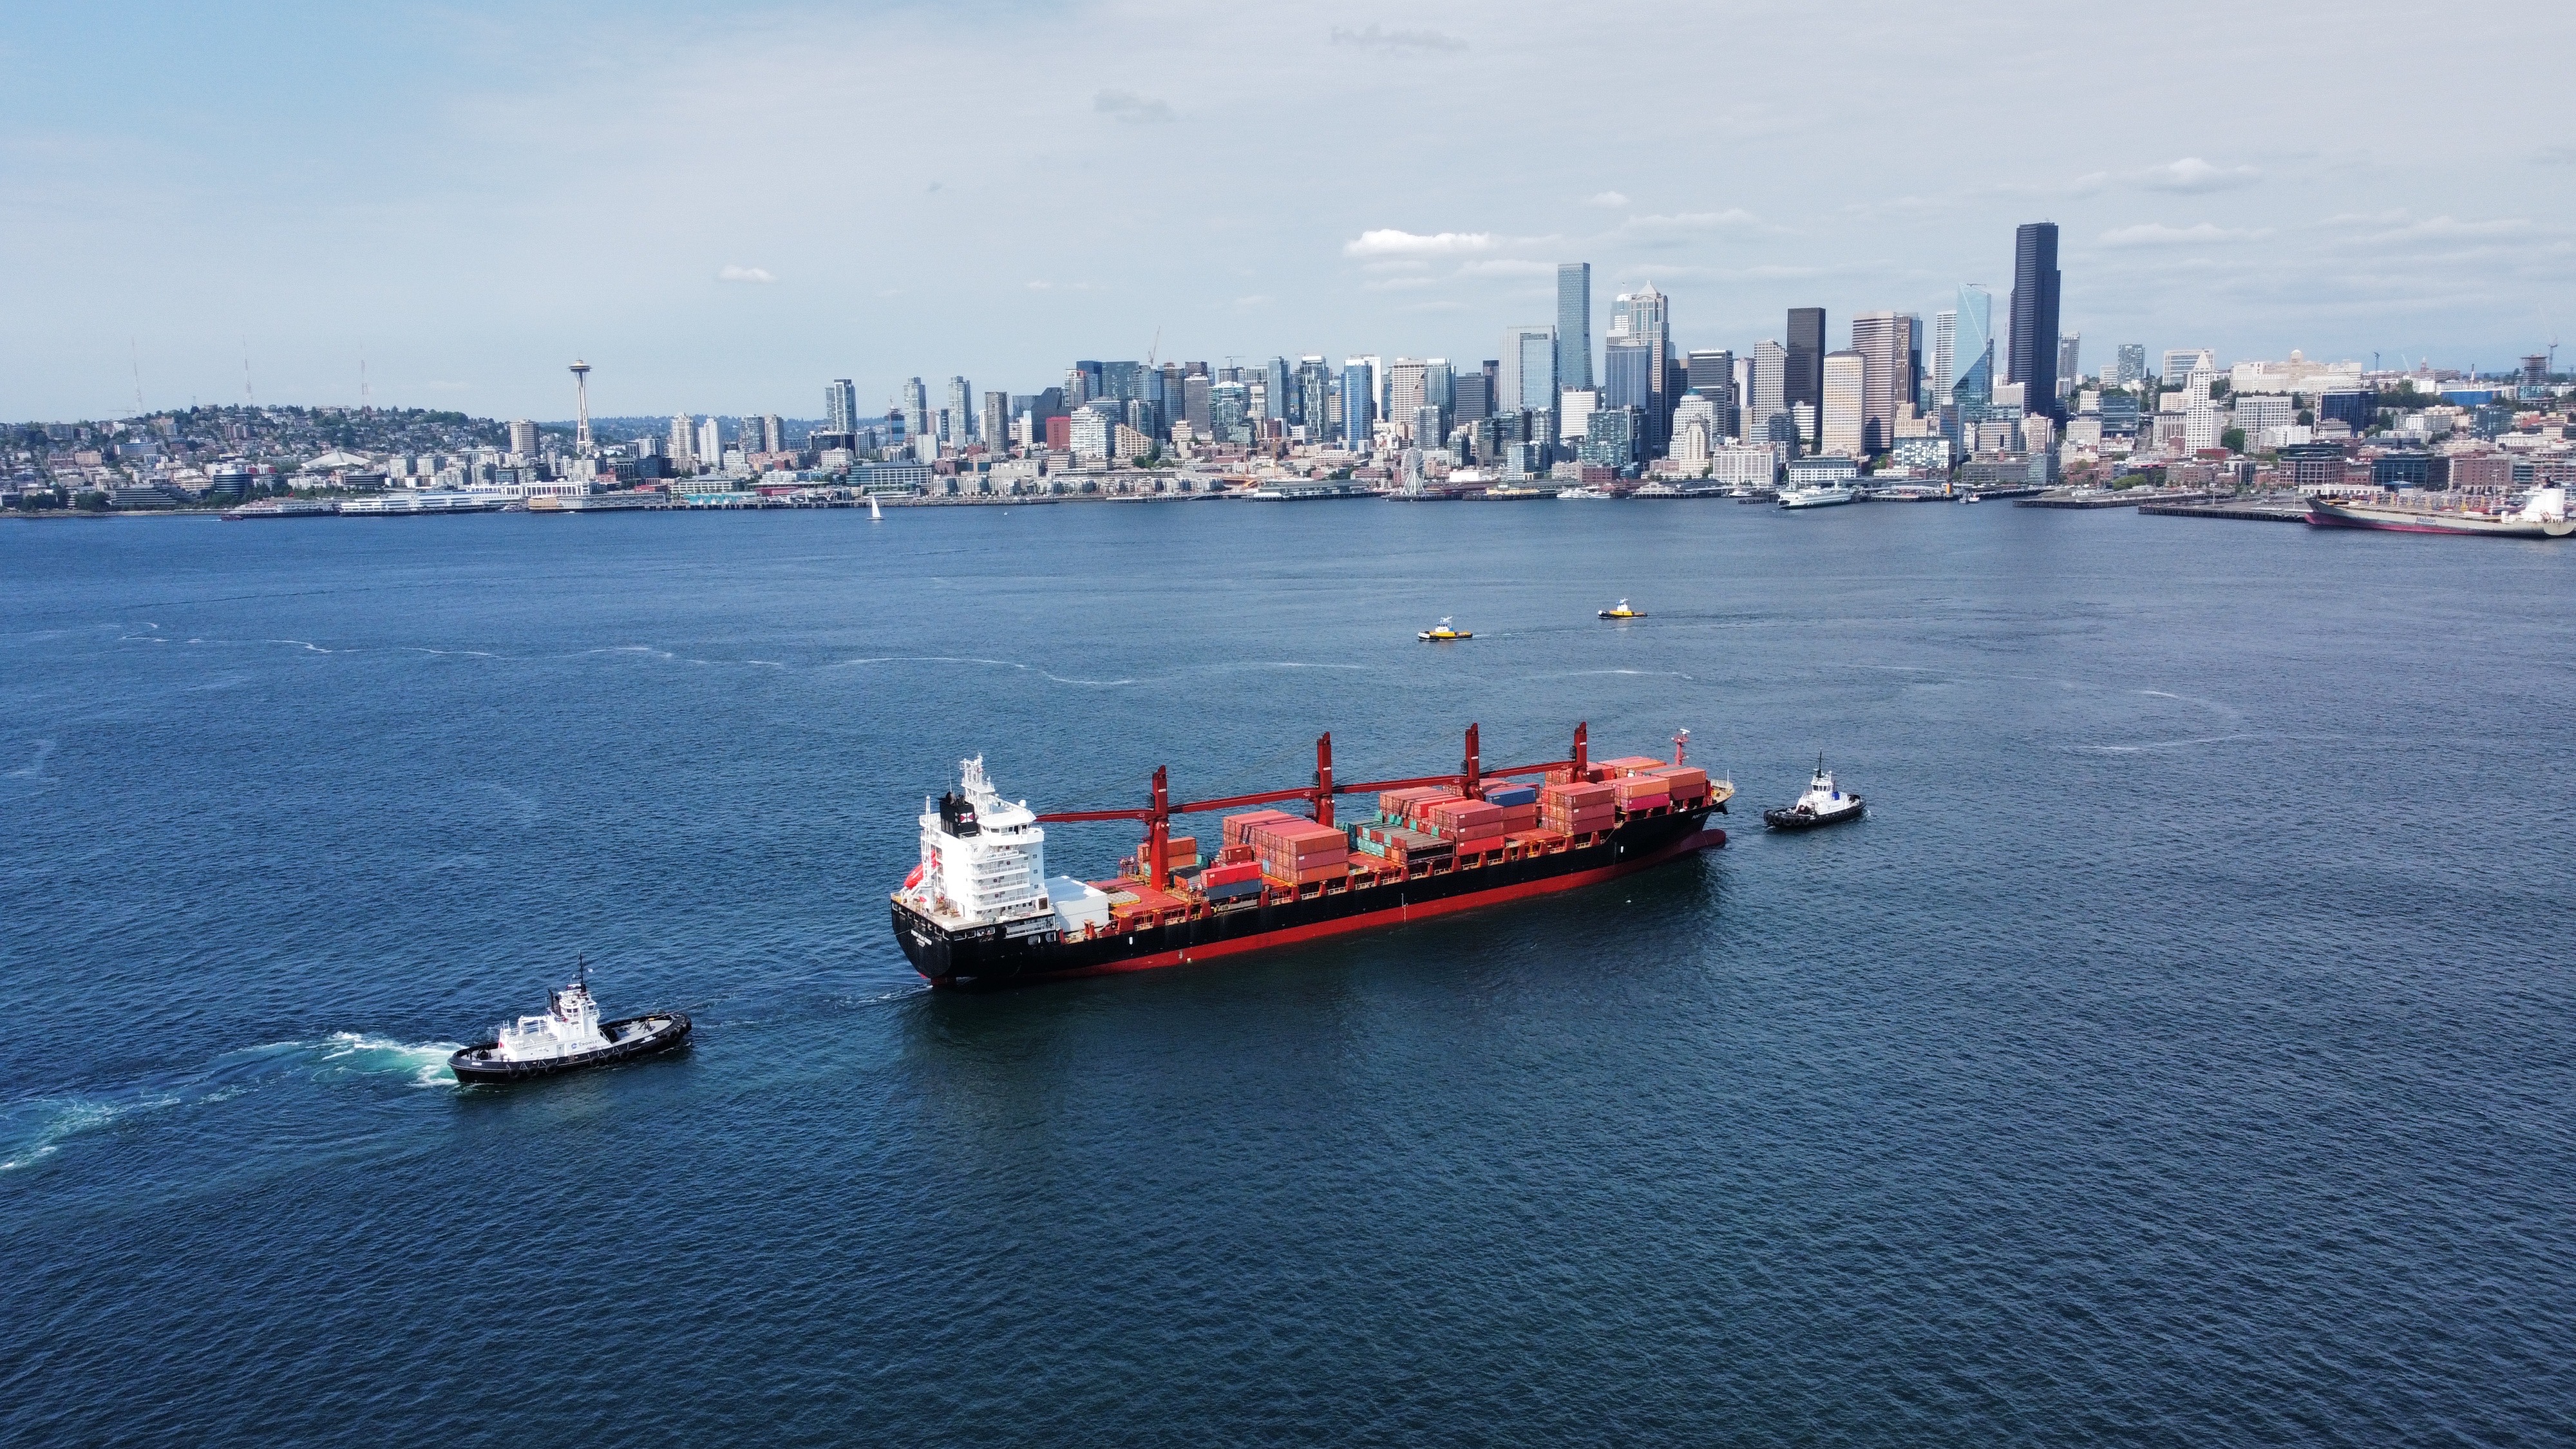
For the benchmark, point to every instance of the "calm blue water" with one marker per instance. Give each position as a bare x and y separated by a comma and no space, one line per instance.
2180,1054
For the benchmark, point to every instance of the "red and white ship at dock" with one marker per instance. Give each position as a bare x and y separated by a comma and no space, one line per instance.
980,909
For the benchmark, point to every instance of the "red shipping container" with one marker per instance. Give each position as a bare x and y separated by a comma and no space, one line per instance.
1235,855
1180,850
1220,875
1578,796
1519,817
1641,791
1462,814
1685,780
1237,825
1392,803
1630,765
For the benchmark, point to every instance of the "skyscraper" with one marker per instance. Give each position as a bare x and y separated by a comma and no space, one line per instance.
840,407
1359,391
2033,360
1769,391
1470,401
1195,405
997,421
1275,403
914,402
1230,412
710,442
1407,388
961,410
1846,383
1645,318
2133,362
2070,361
523,438
1314,390
1627,374
684,445
1529,377
1972,354
1805,380
1945,333
1882,341
1573,324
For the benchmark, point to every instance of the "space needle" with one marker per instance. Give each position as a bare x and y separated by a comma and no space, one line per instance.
581,407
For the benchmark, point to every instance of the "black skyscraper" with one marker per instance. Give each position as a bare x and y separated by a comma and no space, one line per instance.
1805,382
2033,353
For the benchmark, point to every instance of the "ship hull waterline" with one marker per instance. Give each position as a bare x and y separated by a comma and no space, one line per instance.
987,957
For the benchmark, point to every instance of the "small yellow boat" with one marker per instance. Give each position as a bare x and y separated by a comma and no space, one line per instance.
1623,612
1441,633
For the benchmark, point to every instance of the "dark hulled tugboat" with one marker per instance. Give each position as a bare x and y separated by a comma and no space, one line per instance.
1821,805
567,1037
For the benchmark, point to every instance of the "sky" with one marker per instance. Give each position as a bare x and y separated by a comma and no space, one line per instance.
721,208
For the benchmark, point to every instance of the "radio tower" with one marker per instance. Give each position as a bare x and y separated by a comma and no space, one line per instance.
581,406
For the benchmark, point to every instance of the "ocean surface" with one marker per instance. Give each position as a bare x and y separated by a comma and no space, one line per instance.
2180,1053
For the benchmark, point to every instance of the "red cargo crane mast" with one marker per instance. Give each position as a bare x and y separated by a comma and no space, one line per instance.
1157,816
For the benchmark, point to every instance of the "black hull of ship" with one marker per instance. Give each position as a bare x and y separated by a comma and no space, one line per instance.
989,956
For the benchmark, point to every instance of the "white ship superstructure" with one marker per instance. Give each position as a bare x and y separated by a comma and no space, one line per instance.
983,858
569,1027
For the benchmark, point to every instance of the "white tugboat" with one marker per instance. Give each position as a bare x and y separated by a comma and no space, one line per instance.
568,1036
1821,805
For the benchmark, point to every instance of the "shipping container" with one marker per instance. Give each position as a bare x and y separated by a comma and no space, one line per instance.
1641,792
1509,795
1236,825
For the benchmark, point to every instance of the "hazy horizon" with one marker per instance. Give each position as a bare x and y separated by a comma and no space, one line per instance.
722,209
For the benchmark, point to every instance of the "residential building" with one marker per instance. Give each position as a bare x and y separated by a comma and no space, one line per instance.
996,429
1093,433
684,445
840,406
2132,368
1574,324
1945,333
1359,393
1281,393
1425,423
960,409
2070,360
1613,438
1229,412
2032,353
523,439
913,401
710,444
1309,399
1846,390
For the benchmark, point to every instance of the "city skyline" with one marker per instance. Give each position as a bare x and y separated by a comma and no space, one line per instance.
489,200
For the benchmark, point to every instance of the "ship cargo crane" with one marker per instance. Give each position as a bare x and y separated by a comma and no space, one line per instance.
1156,817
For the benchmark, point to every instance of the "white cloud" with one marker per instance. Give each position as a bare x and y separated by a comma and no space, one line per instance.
1389,242
1133,109
2157,234
1611,199
1375,38
2192,174
731,273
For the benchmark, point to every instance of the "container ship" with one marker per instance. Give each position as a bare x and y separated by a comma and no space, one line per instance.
2540,514
981,911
